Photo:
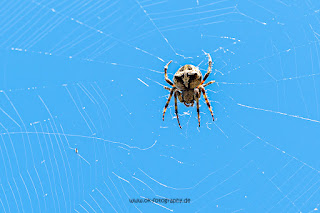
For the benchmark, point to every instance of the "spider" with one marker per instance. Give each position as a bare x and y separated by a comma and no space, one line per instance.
187,86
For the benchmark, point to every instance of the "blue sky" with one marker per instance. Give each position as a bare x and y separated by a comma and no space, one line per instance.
88,76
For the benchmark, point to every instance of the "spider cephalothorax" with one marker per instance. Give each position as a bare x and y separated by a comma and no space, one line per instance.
187,86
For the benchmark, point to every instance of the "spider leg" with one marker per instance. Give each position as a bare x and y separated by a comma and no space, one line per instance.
167,88
176,108
208,71
166,75
198,110
168,101
209,68
180,96
197,97
207,84
207,101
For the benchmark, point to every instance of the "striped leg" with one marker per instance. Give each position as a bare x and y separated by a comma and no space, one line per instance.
198,94
167,88
207,101
207,84
168,101
209,69
166,75
176,108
